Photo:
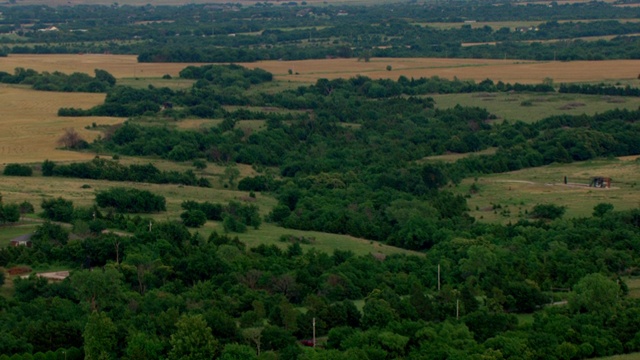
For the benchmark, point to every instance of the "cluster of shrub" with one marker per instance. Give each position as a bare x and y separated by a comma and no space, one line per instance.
122,200
17,170
128,200
57,81
104,169
9,213
235,216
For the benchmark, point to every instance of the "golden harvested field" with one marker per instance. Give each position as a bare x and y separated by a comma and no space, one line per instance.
120,66
126,66
30,127
526,72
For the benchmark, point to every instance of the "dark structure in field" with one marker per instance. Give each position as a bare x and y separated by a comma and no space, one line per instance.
600,182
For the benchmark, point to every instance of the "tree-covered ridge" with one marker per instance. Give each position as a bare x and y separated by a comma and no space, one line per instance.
154,283
352,162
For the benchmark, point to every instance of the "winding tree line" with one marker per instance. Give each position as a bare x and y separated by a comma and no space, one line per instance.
103,169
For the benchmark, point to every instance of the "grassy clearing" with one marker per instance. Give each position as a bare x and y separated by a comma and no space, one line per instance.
537,106
633,283
455,157
270,234
34,189
517,192
9,232
143,83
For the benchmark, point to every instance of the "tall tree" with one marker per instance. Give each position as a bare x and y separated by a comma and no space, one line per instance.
99,337
193,340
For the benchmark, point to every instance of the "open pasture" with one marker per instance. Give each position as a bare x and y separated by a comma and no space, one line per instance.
508,196
529,107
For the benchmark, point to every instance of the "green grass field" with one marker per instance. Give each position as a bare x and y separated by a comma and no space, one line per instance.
35,189
633,284
517,192
530,107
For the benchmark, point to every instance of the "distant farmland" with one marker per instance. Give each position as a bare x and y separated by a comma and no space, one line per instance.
526,72
30,127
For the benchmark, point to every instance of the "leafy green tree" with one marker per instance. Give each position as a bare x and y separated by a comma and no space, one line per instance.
193,340
99,337
143,346
547,211
47,168
231,224
193,218
238,352
595,293
601,209
49,235
58,209
104,76
9,213
231,173
377,313
98,288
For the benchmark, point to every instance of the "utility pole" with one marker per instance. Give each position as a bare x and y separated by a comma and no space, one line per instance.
438,277
314,332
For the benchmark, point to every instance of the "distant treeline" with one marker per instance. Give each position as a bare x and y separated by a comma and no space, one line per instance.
103,169
599,89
